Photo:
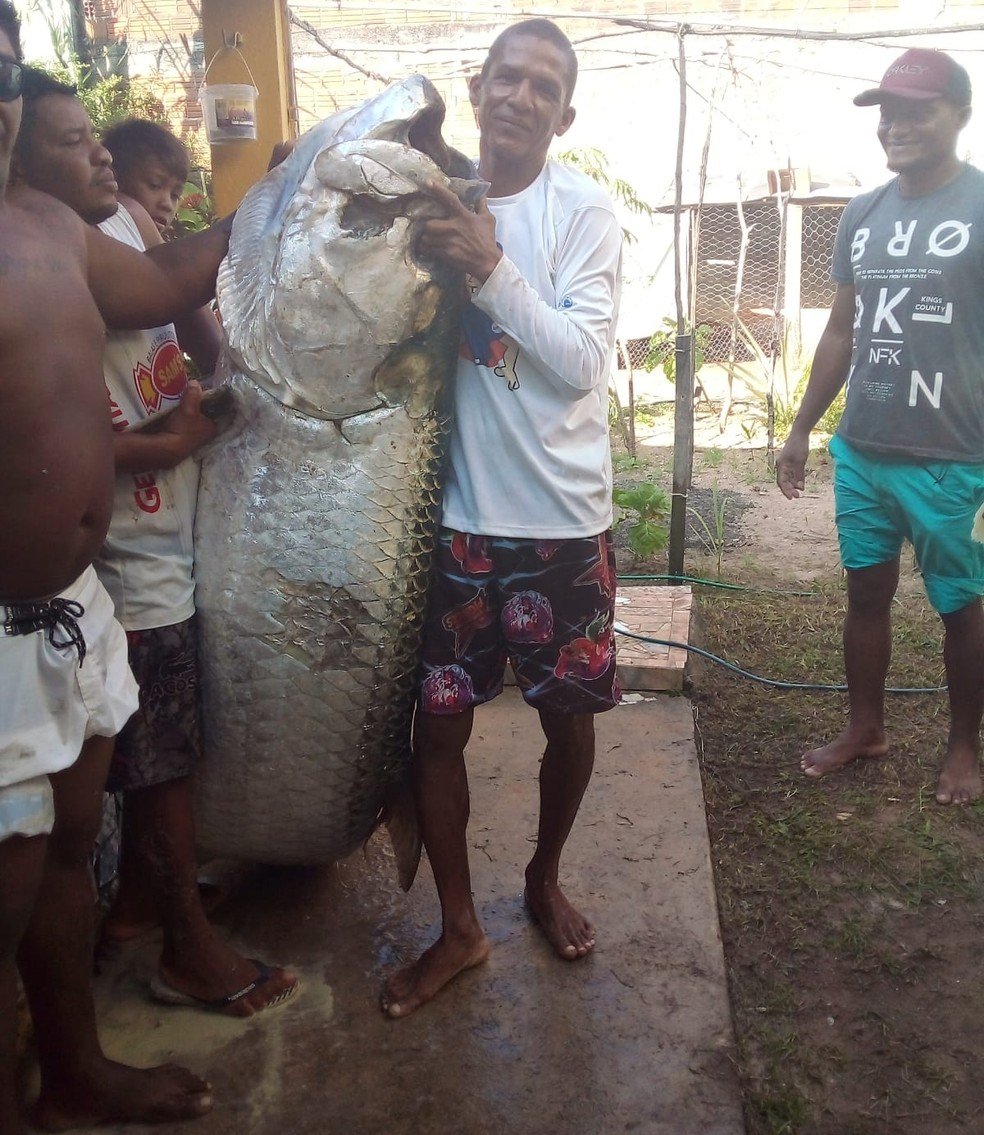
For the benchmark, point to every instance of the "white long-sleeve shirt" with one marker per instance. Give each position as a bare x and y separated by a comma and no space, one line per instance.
529,452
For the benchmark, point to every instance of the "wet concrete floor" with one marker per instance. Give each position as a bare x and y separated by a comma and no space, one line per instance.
635,1038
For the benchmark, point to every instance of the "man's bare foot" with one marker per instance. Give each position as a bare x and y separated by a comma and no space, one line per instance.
565,928
849,746
240,987
115,1093
417,983
960,778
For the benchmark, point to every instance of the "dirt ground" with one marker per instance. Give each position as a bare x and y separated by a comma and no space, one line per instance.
852,908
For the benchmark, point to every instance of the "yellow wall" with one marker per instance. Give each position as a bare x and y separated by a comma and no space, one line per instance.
265,44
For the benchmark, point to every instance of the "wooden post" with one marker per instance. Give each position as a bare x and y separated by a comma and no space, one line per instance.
626,426
683,417
683,451
735,309
265,45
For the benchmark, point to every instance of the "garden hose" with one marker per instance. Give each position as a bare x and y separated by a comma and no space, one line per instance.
773,682
716,583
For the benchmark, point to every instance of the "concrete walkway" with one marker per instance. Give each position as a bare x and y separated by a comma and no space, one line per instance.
636,1038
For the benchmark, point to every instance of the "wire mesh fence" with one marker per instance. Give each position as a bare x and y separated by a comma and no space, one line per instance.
819,229
754,266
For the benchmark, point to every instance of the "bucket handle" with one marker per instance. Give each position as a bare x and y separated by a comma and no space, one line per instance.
228,47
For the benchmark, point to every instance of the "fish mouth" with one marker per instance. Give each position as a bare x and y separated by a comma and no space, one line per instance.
424,134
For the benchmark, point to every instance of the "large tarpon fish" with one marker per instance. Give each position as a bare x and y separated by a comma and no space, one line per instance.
318,508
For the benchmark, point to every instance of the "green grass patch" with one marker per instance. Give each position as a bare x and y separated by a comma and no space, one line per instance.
852,908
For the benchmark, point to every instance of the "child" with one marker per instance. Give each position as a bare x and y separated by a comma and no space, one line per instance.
151,166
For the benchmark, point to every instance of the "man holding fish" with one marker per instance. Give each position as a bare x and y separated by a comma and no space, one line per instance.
524,567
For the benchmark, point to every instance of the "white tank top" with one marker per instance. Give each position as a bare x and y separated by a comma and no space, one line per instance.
146,563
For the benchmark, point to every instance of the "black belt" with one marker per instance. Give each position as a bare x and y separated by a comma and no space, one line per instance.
51,615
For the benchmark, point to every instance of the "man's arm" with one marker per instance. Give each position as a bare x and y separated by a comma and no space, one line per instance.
198,332
571,345
184,431
200,337
828,374
134,289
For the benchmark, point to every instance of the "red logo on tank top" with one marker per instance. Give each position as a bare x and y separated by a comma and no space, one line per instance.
146,493
166,377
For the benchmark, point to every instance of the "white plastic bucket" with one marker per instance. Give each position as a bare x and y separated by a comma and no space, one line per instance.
229,111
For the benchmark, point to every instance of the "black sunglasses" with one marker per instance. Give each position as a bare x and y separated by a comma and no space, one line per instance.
11,80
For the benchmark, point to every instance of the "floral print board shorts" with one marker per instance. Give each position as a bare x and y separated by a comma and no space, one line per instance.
162,741
546,606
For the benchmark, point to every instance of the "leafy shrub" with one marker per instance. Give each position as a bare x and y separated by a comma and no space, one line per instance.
661,351
644,509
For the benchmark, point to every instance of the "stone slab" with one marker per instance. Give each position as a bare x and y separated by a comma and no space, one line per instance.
659,613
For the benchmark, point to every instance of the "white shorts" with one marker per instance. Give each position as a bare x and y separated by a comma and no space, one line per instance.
51,701
27,808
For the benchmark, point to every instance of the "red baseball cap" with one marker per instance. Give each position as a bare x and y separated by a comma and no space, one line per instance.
921,74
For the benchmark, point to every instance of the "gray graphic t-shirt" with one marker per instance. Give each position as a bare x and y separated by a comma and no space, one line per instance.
916,385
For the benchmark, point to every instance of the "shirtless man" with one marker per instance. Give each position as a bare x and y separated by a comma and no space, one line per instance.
146,566
62,656
524,565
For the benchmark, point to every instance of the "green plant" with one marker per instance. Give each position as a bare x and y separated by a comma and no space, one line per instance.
661,351
775,385
618,422
60,29
107,99
107,95
644,509
195,210
594,163
112,99
650,414
749,429
713,531
624,462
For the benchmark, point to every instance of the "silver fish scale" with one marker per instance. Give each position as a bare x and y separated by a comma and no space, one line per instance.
310,634
318,506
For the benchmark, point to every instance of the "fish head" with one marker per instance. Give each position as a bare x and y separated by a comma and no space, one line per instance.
326,303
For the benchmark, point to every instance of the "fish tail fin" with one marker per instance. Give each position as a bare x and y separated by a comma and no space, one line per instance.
404,832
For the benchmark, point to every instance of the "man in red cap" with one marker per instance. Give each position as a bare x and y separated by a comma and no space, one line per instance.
906,333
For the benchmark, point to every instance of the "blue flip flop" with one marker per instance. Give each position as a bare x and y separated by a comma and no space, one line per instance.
161,991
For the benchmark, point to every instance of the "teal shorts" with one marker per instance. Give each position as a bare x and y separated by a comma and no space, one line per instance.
881,503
